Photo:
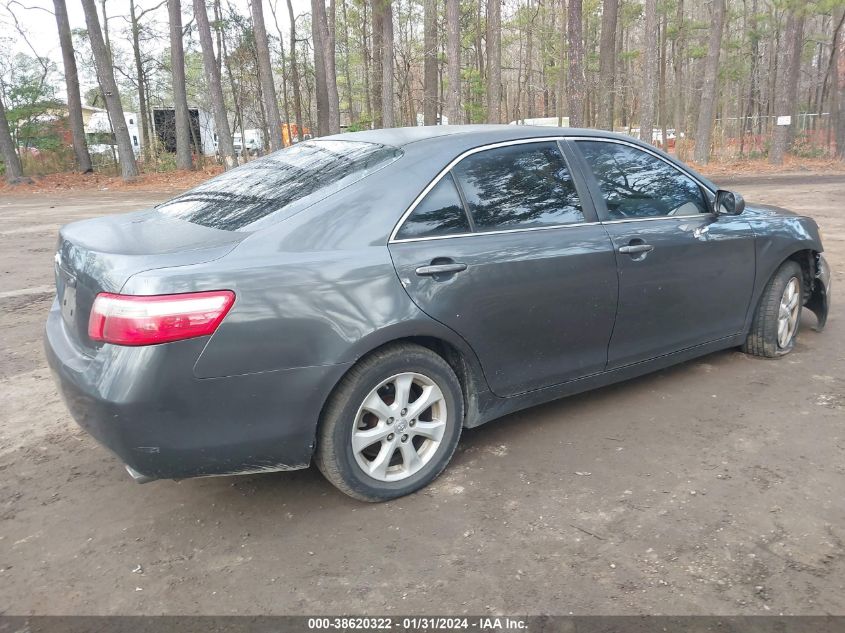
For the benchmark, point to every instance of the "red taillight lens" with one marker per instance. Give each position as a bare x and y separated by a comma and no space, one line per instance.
140,320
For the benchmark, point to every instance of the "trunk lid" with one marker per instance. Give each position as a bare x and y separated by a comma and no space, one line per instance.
101,254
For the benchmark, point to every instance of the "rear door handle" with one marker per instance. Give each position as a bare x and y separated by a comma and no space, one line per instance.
441,269
636,248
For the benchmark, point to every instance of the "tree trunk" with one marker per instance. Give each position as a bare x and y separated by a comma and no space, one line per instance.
378,56
709,89
607,63
678,53
561,72
647,109
286,126
329,41
74,101
180,99
494,61
14,172
753,78
144,127
453,61
265,75
577,79
661,86
105,74
366,56
237,96
387,109
294,74
430,64
786,86
212,74
837,89
840,103
347,72
328,107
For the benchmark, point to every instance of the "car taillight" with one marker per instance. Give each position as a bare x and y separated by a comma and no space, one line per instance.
147,320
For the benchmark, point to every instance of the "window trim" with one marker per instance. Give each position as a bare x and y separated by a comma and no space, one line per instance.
448,169
464,210
603,208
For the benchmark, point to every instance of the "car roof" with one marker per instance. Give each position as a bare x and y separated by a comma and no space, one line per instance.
466,134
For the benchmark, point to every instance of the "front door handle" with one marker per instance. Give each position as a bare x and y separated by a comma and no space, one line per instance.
441,269
634,249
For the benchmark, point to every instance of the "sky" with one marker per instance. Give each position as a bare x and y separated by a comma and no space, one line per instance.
40,26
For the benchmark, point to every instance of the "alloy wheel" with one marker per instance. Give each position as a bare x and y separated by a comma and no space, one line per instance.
399,426
790,304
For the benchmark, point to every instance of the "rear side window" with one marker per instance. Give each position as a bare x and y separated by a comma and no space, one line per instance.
636,184
280,184
519,186
441,212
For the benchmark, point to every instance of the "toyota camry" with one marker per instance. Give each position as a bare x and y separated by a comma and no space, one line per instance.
357,300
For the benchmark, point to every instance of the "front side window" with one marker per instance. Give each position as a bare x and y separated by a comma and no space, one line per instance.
636,184
280,184
519,186
441,212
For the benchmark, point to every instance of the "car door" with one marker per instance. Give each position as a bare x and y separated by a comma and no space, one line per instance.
502,249
685,274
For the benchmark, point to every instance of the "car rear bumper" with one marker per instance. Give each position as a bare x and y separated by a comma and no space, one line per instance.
146,406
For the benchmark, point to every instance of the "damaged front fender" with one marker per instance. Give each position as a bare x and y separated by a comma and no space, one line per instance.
819,301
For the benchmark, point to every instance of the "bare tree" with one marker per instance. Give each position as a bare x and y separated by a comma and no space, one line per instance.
577,78
212,76
265,75
607,63
326,55
294,73
144,127
647,104
377,57
494,61
321,89
105,75
453,61
709,89
14,172
837,101
786,85
184,154
678,52
347,65
430,62
387,109
74,100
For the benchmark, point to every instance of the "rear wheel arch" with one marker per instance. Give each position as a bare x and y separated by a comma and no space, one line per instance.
335,455
466,368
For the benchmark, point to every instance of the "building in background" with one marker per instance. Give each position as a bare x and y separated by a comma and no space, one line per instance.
99,134
203,132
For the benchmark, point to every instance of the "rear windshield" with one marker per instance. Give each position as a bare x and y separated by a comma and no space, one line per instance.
277,186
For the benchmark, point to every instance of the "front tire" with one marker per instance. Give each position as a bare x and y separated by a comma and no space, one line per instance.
778,315
391,425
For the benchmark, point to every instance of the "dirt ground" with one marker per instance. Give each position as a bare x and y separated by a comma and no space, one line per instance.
715,487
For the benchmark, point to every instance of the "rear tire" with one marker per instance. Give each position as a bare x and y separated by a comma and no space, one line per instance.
778,315
391,425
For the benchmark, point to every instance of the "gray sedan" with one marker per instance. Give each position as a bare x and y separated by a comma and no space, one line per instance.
360,299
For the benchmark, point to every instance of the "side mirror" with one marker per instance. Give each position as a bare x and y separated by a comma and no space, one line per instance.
729,203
